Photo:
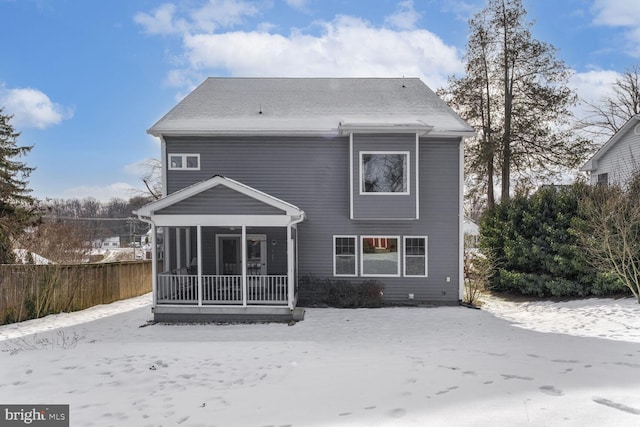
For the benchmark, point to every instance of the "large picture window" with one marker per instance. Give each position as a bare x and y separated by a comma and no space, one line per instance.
344,256
380,256
184,161
384,172
415,256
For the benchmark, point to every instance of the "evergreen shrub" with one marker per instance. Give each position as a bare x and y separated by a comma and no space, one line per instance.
535,249
328,292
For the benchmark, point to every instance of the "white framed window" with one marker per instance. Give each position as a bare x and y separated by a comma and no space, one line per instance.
344,256
384,172
380,256
415,256
184,161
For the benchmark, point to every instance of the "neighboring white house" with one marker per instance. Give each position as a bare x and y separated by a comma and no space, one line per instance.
107,243
24,256
619,158
471,233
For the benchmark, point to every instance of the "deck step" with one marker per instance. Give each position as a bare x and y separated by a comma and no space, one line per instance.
203,314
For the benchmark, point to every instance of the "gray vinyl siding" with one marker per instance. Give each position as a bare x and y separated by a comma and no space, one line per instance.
385,206
220,200
621,161
313,174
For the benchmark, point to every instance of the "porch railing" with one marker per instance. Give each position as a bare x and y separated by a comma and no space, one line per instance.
225,289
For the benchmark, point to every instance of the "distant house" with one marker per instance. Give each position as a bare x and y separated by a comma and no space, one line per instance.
471,233
618,160
269,179
24,256
107,243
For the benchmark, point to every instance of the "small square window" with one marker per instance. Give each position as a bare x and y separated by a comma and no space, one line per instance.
176,162
184,161
603,179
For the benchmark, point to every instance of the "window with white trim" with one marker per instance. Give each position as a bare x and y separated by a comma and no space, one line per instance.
184,161
415,256
379,256
344,256
384,172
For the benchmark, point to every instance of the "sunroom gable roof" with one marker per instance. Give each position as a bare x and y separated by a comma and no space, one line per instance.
150,209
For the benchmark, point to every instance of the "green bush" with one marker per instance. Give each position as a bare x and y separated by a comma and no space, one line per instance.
327,292
535,248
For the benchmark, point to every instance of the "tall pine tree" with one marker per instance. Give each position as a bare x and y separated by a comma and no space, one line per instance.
515,92
17,206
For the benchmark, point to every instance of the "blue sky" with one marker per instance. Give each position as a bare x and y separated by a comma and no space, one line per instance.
85,79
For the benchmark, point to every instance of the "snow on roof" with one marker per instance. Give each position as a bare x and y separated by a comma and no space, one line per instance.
309,106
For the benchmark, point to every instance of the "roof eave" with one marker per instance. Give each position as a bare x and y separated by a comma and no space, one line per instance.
242,132
592,163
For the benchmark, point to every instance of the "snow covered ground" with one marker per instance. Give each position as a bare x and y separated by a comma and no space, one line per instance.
537,363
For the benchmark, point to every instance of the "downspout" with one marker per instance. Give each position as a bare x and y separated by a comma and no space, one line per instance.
461,223
291,257
154,259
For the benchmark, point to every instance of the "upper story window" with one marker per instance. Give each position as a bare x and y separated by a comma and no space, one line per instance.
184,161
384,172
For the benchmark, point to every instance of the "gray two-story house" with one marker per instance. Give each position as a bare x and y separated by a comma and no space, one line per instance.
269,179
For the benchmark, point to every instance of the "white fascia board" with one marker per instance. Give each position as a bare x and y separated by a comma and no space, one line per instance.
244,132
452,133
222,220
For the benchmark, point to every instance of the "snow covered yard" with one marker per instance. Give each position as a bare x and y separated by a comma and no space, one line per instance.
364,367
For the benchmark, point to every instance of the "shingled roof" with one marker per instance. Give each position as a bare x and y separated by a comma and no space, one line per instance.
310,106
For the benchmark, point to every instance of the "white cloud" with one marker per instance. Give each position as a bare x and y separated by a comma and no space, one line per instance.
298,4
347,46
620,13
32,108
593,85
161,21
405,16
224,13
616,13
213,14
103,193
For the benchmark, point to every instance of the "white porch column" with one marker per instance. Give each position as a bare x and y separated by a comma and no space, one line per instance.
187,247
243,265
199,260
166,261
178,247
154,266
290,270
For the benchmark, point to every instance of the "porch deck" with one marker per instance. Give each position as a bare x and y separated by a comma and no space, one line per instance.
225,290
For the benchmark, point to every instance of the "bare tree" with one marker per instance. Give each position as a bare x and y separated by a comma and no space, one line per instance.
610,231
59,242
606,116
152,178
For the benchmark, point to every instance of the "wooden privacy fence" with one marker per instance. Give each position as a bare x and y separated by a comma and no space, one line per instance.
32,291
